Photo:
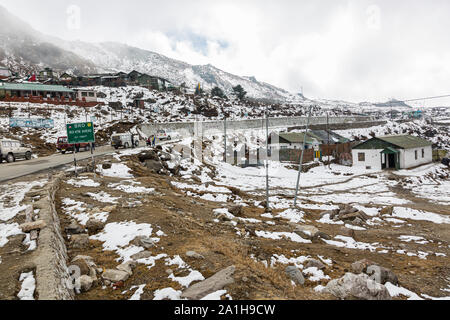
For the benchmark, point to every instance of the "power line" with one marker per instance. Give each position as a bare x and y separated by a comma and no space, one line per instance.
427,98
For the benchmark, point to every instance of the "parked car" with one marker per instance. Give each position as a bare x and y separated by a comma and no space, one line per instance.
167,135
63,146
11,150
125,140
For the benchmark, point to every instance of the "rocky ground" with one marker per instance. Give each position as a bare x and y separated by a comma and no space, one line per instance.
155,230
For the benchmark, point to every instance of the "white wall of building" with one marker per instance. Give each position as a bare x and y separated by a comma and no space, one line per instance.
372,159
408,157
88,95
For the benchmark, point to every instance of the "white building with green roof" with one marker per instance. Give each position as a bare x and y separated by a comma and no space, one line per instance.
34,89
393,152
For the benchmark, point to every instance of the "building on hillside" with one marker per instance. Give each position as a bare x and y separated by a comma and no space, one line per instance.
67,78
293,140
86,95
27,90
46,75
392,152
5,73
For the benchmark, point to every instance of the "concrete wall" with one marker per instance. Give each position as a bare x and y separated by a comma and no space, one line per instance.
373,159
216,127
408,158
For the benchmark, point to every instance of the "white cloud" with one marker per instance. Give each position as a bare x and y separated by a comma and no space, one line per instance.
356,50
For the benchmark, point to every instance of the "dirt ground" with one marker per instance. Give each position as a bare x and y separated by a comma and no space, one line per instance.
189,224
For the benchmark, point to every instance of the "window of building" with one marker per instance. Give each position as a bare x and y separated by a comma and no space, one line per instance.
416,155
361,157
91,94
84,94
423,153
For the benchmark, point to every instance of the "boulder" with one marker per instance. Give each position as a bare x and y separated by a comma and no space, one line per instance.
86,283
94,226
154,165
307,232
381,274
74,228
79,241
114,276
145,242
311,263
235,210
194,255
141,255
86,261
361,266
30,226
295,274
128,267
359,287
82,265
210,285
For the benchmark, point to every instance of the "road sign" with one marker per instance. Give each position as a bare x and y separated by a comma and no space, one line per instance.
80,133
31,123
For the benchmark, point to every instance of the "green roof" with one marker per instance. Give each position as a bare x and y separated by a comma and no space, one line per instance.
402,142
33,87
406,142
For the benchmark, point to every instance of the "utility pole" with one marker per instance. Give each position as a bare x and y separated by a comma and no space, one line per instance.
267,160
301,157
225,138
328,141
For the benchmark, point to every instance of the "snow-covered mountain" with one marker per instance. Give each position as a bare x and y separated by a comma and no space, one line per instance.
24,49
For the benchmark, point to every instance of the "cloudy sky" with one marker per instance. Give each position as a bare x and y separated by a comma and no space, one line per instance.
352,50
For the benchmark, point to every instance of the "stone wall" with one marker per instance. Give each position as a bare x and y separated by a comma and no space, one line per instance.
216,127
51,254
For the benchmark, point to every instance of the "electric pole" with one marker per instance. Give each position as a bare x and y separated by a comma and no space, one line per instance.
267,160
301,157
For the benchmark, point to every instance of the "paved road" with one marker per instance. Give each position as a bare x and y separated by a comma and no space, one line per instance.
19,169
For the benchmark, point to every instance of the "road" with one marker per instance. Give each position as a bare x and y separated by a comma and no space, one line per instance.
19,169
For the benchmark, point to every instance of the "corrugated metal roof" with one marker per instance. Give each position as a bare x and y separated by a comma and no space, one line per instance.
297,137
406,141
33,87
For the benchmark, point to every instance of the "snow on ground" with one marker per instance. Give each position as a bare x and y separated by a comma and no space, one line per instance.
412,214
28,286
117,170
8,230
83,182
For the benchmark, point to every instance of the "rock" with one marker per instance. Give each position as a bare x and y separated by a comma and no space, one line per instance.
307,232
381,274
86,261
148,155
295,274
311,263
361,266
106,165
210,285
109,209
223,217
358,222
349,216
360,287
74,228
323,235
235,210
387,211
86,283
79,241
347,232
83,266
194,255
30,226
141,255
169,271
154,165
114,276
94,226
145,242
128,267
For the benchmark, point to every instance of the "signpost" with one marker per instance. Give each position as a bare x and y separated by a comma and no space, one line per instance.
81,133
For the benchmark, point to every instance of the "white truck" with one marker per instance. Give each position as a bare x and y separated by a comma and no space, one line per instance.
11,150
125,140
167,135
